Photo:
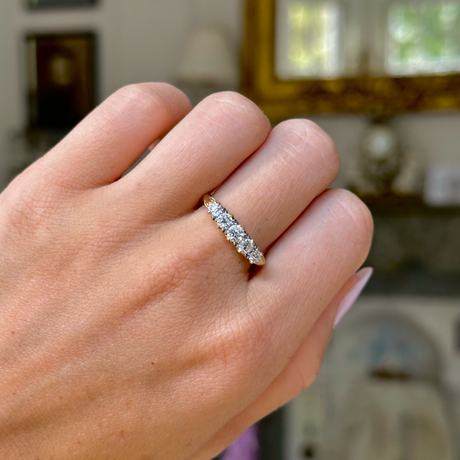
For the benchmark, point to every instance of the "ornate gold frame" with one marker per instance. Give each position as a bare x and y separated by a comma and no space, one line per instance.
282,99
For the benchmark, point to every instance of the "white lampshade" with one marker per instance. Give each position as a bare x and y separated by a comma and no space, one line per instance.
208,60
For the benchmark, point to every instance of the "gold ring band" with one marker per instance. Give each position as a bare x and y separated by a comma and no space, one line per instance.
234,232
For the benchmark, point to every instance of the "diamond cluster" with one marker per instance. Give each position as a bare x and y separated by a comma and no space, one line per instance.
235,232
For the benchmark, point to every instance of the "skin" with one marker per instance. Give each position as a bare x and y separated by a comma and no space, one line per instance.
130,328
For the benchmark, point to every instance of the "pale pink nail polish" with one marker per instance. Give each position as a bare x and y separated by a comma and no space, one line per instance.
350,298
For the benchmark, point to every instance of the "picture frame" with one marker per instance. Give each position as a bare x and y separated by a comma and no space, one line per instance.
61,79
51,4
281,99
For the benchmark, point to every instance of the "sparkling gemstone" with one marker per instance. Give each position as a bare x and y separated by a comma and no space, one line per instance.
235,233
225,221
255,256
215,209
245,245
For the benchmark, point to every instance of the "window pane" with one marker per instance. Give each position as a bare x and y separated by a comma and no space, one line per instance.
312,45
423,37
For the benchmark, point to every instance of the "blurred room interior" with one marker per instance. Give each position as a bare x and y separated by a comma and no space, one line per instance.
382,77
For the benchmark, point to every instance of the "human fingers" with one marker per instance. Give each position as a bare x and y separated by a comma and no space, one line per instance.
300,372
297,162
197,155
307,266
305,270
107,142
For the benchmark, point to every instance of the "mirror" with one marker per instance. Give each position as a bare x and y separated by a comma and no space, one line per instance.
327,39
369,56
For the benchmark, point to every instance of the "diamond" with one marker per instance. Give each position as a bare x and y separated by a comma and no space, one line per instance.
215,209
245,245
225,221
235,233
255,256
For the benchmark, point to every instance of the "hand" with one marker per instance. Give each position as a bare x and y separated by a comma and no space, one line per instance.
130,328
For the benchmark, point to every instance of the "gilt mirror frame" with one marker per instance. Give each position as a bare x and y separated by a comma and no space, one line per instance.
283,99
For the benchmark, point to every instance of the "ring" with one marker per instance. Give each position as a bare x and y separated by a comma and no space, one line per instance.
234,232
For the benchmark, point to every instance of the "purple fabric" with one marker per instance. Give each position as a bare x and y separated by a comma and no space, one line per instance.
246,447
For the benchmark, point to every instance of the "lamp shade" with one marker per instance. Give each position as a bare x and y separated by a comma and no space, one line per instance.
208,60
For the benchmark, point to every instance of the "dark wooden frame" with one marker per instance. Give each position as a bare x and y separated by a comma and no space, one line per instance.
91,70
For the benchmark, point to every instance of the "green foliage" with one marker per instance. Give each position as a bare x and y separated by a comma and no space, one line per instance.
424,36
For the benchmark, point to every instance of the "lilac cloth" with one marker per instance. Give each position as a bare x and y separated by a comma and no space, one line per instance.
246,447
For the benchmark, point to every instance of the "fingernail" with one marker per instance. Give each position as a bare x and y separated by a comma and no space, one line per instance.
350,298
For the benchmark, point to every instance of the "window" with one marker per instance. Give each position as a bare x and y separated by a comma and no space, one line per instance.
423,37
311,47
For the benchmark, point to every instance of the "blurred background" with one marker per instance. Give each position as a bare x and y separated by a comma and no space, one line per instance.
382,77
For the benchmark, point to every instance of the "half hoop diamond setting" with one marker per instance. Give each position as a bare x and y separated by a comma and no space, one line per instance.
234,231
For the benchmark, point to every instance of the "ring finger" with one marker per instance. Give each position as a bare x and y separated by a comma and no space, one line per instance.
297,162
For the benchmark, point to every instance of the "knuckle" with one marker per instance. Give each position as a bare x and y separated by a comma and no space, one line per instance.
239,107
353,213
324,144
171,94
304,136
32,202
315,131
27,208
140,96
294,133
233,98
149,97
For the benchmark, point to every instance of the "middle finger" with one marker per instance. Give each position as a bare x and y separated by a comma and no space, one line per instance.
196,156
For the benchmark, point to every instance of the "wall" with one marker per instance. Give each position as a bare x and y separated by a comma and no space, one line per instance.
139,40
142,40
435,136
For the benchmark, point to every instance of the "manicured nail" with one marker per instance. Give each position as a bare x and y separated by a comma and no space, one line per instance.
350,298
